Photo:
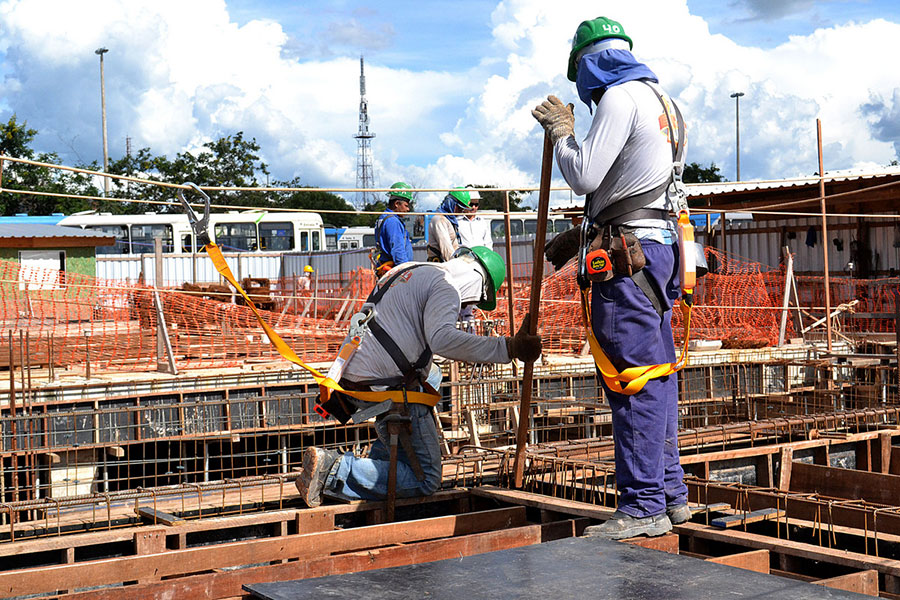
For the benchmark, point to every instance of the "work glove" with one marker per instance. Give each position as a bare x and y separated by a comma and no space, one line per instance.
557,119
523,345
563,247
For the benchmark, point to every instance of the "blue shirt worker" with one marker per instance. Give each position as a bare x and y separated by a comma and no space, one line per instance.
418,307
625,166
392,242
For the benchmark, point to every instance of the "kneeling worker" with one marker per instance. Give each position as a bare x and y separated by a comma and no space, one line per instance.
417,309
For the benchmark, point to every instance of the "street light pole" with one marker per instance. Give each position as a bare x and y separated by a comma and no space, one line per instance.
101,52
737,130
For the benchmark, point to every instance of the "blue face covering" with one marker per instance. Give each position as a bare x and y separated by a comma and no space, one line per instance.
604,69
448,208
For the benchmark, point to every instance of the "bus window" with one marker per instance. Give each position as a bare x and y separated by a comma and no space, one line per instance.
498,228
120,232
304,241
530,226
315,240
560,225
275,237
368,240
186,243
236,236
142,237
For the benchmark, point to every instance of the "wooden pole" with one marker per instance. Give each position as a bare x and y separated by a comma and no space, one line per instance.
510,283
824,235
537,276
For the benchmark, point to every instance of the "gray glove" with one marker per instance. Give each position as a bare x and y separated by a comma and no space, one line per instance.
557,119
523,345
563,247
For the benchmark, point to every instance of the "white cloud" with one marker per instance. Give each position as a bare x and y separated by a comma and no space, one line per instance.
179,74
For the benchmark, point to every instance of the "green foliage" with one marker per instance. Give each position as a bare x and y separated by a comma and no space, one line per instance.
15,141
695,173
318,201
363,220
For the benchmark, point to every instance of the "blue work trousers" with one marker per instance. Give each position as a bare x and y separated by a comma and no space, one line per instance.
367,478
645,425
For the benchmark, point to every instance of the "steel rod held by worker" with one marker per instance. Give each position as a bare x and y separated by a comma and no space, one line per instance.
537,275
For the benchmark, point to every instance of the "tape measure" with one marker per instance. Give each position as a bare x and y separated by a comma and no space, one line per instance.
598,262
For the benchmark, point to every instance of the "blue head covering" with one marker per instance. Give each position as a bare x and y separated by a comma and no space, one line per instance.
448,209
604,69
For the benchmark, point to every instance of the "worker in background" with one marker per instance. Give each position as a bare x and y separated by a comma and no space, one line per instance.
419,311
473,229
305,282
627,156
392,242
443,229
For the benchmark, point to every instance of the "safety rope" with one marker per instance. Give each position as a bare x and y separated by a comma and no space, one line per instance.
399,396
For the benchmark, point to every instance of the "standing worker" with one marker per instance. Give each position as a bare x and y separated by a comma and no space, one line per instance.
392,243
473,230
418,304
443,229
626,166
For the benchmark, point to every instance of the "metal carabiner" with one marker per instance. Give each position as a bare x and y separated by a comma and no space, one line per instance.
359,321
199,225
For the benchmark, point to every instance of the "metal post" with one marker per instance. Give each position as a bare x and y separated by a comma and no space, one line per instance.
737,131
824,236
509,273
101,52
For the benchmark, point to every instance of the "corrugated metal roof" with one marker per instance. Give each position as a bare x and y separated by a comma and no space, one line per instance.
707,189
37,230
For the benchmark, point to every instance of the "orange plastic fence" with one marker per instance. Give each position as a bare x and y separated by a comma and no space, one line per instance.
70,317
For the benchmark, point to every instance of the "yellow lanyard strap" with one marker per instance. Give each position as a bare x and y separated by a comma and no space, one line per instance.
632,379
215,254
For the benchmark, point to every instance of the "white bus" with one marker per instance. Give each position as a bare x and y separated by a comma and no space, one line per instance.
233,231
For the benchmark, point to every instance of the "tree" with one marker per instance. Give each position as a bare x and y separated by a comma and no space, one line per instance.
695,173
318,201
15,141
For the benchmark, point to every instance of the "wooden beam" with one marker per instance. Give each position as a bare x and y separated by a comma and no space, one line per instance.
754,560
664,543
151,515
835,482
228,584
784,470
47,579
863,582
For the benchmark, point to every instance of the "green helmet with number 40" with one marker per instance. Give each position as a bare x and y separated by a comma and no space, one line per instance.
592,31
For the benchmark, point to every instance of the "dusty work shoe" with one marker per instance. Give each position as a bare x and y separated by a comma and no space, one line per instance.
317,464
679,513
621,526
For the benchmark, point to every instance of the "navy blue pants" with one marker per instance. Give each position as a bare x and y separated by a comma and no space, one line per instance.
645,425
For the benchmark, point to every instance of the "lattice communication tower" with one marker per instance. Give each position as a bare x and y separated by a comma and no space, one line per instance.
365,174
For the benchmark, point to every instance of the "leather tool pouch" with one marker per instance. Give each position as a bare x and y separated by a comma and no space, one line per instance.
624,250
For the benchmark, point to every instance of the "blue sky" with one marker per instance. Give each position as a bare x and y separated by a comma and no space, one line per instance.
450,83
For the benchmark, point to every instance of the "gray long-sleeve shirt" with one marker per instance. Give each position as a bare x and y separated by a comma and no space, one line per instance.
420,308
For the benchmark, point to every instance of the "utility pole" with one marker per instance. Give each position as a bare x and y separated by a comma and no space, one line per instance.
101,52
737,130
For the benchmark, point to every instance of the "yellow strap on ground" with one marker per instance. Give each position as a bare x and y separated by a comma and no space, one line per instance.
215,254
631,380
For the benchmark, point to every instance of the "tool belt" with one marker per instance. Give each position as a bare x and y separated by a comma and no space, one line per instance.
621,246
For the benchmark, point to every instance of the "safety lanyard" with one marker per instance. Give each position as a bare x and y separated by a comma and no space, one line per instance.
631,380
400,396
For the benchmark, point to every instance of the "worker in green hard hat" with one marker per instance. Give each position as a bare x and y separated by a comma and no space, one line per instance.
443,229
392,242
415,309
628,167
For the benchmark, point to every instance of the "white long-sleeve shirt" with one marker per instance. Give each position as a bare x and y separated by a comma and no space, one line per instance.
475,232
626,151
420,308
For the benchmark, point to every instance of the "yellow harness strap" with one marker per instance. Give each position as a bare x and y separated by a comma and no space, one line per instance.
399,396
632,379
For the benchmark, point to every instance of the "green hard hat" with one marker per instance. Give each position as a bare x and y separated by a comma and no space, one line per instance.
589,32
461,196
493,266
396,192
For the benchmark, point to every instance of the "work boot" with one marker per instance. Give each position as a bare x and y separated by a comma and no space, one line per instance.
679,513
621,526
317,464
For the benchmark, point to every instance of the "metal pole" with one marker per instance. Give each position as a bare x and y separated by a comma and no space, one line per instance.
737,130
824,236
101,52
509,272
537,276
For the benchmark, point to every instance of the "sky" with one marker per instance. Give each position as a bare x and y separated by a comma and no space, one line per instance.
450,84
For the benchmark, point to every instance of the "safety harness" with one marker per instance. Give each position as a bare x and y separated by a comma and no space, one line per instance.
631,380
200,227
